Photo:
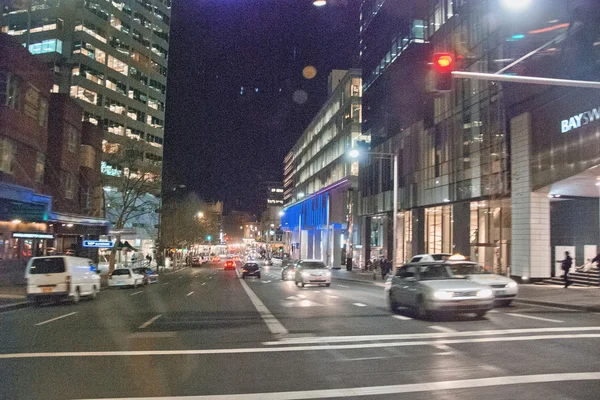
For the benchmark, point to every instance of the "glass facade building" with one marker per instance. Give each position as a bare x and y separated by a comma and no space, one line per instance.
480,167
319,179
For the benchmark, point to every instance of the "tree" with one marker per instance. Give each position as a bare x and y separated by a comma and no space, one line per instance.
182,225
130,194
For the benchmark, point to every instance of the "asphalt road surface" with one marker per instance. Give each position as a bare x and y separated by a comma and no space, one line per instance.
204,333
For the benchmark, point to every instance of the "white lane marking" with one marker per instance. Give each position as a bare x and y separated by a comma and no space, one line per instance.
442,329
552,307
359,304
424,335
395,389
401,317
244,350
166,283
333,297
133,294
181,277
54,319
536,318
342,285
150,321
190,293
152,335
493,311
272,323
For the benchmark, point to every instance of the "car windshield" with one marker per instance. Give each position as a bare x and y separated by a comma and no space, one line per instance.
120,272
434,272
251,266
468,269
312,265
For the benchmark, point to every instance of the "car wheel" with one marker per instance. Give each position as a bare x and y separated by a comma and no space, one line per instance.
243,276
327,284
506,303
392,303
76,296
258,276
421,311
94,293
480,313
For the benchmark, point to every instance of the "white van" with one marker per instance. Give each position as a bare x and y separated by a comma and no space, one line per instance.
61,277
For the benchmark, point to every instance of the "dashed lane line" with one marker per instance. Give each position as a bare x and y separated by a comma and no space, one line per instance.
359,304
149,322
441,329
536,318
54,319
402,317
190,293
133,294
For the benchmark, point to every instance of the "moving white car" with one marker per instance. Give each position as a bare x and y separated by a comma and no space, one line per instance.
125,277
431,287
61,277
504,288
312,272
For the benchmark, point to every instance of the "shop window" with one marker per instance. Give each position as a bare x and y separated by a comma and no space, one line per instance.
438,229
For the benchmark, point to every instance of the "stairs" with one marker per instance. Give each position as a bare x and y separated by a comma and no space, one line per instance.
584,279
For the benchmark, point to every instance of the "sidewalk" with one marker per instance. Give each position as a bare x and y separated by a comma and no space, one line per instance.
12,296
574,298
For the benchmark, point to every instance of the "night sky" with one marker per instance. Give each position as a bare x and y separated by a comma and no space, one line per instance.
221,143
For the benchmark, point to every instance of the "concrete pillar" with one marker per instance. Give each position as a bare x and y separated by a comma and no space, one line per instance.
367,238
531,254
336,247
461,229
310,243
317,246
303,244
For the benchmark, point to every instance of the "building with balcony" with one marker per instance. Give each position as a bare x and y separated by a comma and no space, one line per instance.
111,57
320,206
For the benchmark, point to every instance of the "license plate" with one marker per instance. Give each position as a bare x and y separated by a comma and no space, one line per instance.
500,291
46,290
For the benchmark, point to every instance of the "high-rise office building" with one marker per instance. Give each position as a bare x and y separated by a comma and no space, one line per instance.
111,56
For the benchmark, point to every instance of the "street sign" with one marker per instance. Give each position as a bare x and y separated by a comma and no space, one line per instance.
98,244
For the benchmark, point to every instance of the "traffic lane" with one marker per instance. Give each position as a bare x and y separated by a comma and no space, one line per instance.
195,308
279,372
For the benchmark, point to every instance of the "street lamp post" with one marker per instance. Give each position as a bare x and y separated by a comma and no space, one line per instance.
355,153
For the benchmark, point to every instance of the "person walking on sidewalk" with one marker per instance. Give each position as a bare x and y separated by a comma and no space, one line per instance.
566,265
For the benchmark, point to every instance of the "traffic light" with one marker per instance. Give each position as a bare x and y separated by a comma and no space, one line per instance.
443,65
209,238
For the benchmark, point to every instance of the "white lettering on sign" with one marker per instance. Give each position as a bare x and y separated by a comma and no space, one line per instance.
577,121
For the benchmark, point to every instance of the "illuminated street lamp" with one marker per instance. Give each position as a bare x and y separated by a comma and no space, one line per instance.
200,214
355,153
319,3
281,213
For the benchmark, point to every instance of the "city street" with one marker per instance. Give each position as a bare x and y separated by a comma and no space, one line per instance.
206,333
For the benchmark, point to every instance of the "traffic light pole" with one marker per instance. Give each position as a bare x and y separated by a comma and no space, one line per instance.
525,79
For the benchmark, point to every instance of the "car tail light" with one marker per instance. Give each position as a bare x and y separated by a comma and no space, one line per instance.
244,270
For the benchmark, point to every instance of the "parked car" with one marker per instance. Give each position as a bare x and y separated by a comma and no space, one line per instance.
61,277
250,269
121,277
312,272
149,275
431,287
196,261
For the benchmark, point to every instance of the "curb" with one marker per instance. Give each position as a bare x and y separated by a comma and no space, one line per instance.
14,306
561,305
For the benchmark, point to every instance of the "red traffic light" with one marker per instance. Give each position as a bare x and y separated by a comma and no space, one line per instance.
443,62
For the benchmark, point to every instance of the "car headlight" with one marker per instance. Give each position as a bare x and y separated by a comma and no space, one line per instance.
485,293
512,284
442,295
328,273
305,274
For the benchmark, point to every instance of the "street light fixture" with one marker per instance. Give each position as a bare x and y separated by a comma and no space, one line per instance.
355,153
319,3
516,5
200,214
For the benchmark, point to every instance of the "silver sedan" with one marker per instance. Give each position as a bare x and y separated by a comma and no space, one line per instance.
432,288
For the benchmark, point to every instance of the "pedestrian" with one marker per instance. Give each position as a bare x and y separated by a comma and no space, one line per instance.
384,268
566,265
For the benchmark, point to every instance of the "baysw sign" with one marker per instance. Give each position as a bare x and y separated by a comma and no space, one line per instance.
577,121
